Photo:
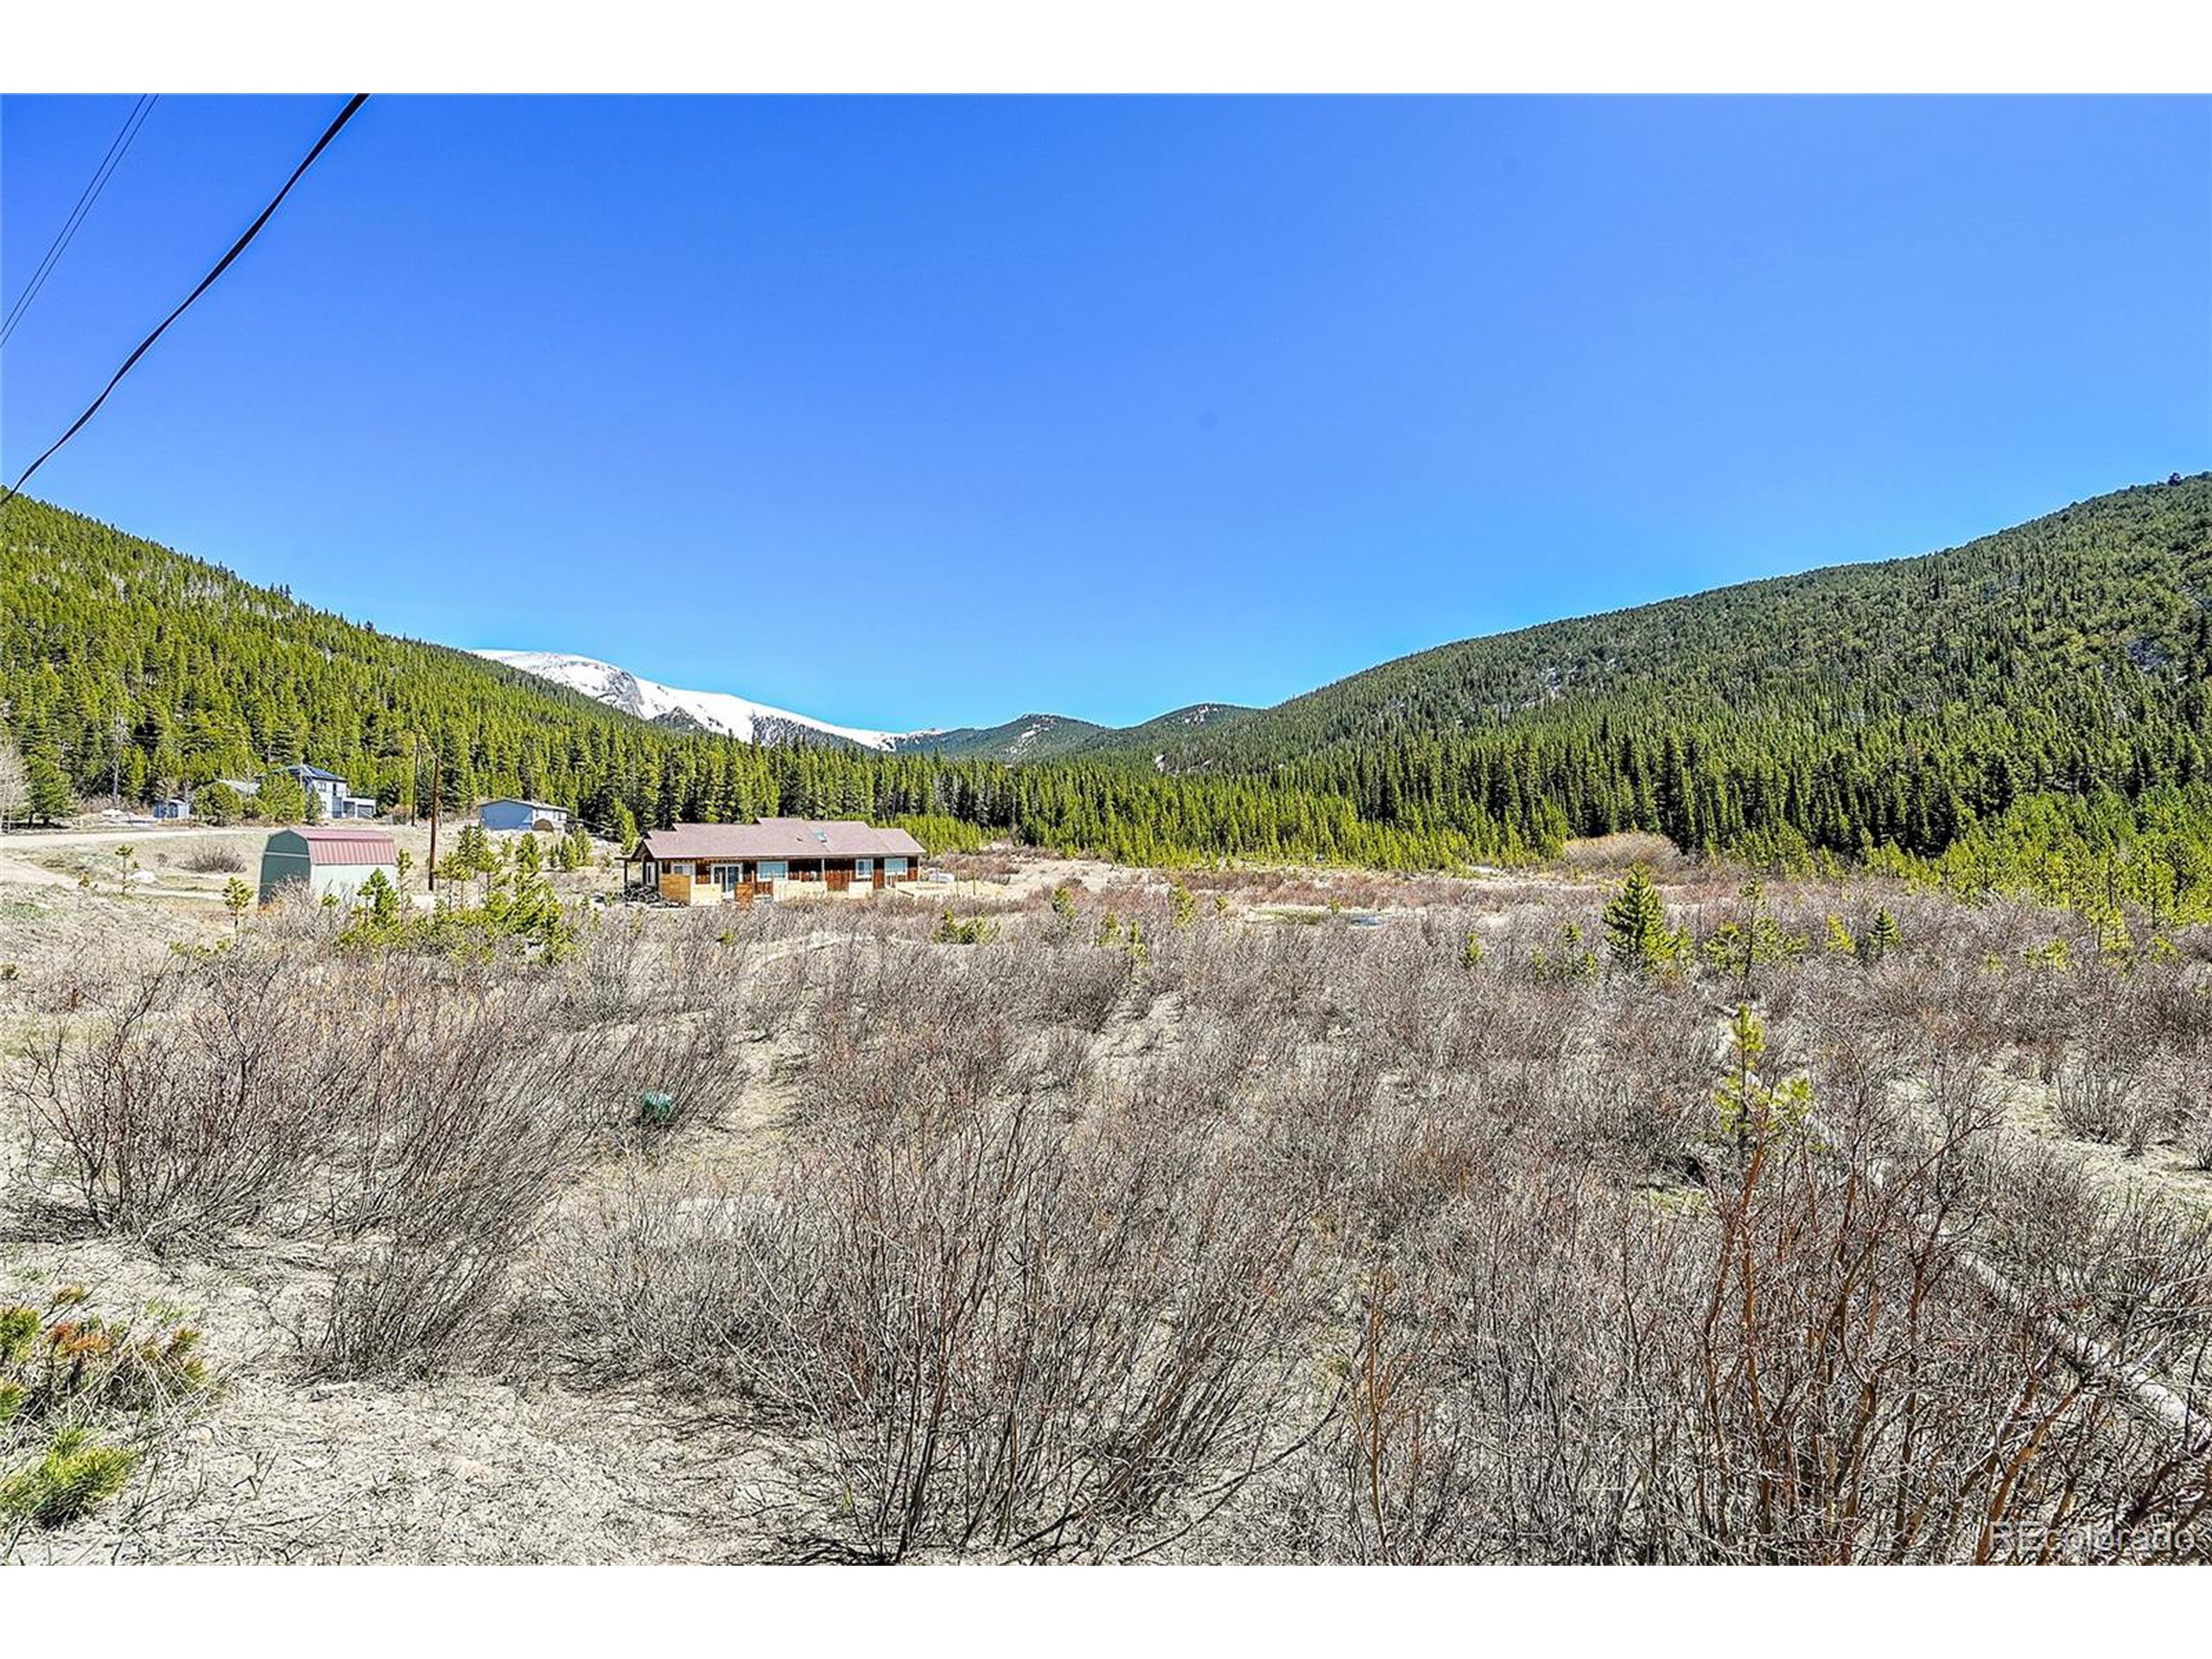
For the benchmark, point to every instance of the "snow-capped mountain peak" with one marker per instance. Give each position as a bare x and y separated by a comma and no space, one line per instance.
715,711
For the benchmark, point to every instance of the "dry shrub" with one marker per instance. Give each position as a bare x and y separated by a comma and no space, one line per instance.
775,994
1008,1335
417,1116
654,1276
1655,1077
991,864
1073,984
213,858
610,975
2192,1098
2109,1092
1263,973
445,1171
2196,1138
1014,1337
1204,1074
924,1048
1269,1240
1812,1367
198,1097
1618,853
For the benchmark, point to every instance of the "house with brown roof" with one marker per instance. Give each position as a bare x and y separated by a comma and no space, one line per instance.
723,863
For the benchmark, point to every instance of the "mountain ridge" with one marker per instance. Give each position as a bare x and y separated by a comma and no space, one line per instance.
1850,638
1461,686
1903,707
723,713
1031,737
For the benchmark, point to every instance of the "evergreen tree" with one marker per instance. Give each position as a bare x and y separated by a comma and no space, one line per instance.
218,803
378,899
622,827
15,783
280,799
52,800
1636,933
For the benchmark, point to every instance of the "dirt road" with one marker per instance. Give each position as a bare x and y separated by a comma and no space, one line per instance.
146,835
15,870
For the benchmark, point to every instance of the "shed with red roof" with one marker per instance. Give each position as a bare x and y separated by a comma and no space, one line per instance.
328,859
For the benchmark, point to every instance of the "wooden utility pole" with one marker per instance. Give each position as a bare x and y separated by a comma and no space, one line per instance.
435,769
414,772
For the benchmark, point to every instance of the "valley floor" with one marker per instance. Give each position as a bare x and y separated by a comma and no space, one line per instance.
1217,1215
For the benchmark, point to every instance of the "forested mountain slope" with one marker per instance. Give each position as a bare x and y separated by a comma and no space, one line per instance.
1864,704
122,661
1152,741
1031,737
1058,737
1995,708
2117,590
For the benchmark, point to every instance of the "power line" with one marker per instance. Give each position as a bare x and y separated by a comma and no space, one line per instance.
205,282
117,148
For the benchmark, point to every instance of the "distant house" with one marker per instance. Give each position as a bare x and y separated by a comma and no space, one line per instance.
328,861
176,806
523,815
721,863
337,797
246,787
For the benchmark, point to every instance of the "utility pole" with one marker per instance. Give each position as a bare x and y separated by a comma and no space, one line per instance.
436,767
436,773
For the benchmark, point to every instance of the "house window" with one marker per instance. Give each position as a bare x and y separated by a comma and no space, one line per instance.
774,869
673,867
652,874
894,867
864,868
727,876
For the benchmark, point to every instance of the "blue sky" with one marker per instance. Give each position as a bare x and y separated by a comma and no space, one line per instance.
933,411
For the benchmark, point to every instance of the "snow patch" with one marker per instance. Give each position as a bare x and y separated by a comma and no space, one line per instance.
716,711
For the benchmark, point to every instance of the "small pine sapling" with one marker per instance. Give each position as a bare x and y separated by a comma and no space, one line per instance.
1754,1112
1636,933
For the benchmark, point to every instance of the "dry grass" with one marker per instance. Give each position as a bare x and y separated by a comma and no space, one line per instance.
1140,1229
1618,854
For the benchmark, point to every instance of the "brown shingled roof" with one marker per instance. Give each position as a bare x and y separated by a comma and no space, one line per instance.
781,838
